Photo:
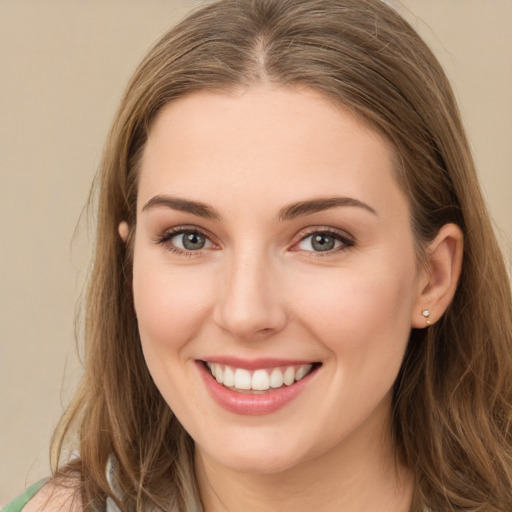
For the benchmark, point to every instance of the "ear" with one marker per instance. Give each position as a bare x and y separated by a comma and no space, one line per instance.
123,230
439,279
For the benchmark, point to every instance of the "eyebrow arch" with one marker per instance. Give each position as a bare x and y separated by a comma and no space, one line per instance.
303,208
182,205
289,212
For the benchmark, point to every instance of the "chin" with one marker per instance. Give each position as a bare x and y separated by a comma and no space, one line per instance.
269,459
269,464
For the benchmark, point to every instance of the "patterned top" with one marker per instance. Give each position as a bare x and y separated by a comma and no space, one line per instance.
111,479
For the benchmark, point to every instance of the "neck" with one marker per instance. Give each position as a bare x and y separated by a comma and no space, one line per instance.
358,474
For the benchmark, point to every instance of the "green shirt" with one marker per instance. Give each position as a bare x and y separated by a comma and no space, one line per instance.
17,504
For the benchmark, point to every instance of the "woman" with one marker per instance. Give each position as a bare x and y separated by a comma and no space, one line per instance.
297,298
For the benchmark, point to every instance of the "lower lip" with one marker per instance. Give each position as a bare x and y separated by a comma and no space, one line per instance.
247,403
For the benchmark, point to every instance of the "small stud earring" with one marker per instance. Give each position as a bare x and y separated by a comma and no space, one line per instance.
426,314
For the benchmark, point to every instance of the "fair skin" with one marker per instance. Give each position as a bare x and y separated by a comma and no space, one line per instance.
239,261
252,289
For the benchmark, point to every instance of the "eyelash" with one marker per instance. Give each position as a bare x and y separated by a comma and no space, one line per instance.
345,240
166,238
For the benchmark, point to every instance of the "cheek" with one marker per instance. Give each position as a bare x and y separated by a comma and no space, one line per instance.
362,310
168,303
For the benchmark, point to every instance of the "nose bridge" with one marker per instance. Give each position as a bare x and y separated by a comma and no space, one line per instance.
251,302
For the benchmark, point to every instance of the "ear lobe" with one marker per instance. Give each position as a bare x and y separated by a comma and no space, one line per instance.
123,230
437,288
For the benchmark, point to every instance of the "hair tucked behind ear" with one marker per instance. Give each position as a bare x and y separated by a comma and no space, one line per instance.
453,397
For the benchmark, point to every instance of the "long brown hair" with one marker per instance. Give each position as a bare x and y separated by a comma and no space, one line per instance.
453,397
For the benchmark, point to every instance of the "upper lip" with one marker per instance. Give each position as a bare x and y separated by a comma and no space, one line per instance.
254,364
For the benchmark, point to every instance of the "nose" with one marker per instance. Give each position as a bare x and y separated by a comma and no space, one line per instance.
250,306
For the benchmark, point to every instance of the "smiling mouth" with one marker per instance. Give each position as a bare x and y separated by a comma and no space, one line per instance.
261,380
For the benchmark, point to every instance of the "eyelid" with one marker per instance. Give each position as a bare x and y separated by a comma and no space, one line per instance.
165,239
345,238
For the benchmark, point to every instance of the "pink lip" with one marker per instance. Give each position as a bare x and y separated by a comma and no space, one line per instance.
249,404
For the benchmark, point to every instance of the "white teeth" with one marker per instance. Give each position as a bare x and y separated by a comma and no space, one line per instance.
289,376
302,371
229,377
276,378
242,379
258,380
218,373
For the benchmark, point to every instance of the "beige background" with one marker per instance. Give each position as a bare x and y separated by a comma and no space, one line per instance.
63,66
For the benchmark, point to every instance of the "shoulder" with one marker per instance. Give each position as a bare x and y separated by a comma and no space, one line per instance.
54,498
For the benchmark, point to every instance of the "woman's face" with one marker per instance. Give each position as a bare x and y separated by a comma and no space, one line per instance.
273,248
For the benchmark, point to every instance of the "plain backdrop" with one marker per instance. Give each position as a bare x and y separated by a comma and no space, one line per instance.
63,67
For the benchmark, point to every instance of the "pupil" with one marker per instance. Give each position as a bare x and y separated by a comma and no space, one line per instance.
323,242
193,241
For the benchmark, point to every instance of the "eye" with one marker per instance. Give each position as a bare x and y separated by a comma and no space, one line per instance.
183,240
324,241
190,241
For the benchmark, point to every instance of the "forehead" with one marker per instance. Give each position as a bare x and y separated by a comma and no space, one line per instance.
264,143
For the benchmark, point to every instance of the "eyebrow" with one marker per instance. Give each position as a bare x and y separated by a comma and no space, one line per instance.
289,212
303,208
183,205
